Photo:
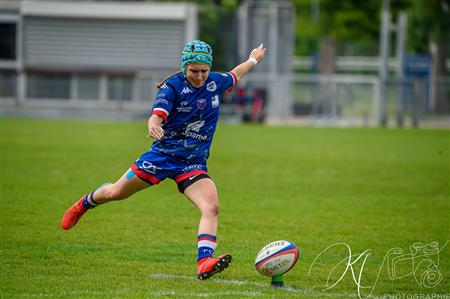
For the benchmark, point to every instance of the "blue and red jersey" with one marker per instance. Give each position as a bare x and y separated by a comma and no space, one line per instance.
190,115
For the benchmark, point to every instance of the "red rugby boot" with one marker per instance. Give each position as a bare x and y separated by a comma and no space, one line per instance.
210,266
73,214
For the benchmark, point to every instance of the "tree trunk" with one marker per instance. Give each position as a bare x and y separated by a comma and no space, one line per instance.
325,96
439,98
327,56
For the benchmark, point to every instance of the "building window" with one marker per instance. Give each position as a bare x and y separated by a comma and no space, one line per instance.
120,87
8,41
88,86
44,85
8,84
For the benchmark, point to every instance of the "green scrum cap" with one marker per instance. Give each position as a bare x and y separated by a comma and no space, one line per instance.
196,51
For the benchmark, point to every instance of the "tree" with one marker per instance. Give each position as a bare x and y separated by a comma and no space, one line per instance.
217,27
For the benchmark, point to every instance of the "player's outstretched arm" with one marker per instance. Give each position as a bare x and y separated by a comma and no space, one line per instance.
256,56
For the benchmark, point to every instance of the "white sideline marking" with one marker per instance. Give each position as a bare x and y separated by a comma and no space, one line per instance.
303,291
184,294
171,276
264,286
68,294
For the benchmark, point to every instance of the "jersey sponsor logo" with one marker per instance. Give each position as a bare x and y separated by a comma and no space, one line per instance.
183,107
201,104
211,86
215,101
149,167
161,101
186,90
195,127
192,167
196,136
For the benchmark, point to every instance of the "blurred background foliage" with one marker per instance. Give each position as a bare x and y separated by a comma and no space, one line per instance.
354,24
218,26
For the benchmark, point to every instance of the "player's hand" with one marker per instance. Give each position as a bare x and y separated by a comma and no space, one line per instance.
258,53
156,132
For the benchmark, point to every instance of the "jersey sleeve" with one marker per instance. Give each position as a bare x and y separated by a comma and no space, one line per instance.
164,101
229,80
234,80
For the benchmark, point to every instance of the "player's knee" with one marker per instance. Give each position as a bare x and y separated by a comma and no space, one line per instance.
215,209
210,206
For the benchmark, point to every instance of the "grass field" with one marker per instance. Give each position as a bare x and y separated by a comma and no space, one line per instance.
372,189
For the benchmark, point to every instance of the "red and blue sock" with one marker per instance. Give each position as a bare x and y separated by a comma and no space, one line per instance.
206,246
89,202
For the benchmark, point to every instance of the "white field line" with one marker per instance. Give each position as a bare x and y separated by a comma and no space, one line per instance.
107,294
264,286
206,295
59,294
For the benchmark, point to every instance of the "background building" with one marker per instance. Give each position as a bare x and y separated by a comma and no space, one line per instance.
104,57
101,59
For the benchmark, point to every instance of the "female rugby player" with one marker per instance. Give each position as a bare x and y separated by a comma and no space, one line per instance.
183,121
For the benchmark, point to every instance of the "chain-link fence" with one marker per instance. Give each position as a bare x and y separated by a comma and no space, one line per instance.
345,100
336,100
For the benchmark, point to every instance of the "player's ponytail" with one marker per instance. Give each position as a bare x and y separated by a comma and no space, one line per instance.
158,85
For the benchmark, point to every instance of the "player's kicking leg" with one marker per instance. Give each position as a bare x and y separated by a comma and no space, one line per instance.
127,185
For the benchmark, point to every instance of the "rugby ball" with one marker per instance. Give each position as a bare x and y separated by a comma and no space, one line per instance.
276,258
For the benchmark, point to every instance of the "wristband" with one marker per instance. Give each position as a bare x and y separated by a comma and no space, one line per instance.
253,60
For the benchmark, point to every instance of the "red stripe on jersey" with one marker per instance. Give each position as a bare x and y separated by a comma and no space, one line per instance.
144,176
189,174
235,78
160,113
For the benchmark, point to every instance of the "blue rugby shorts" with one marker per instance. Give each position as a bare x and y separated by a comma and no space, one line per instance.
153,167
